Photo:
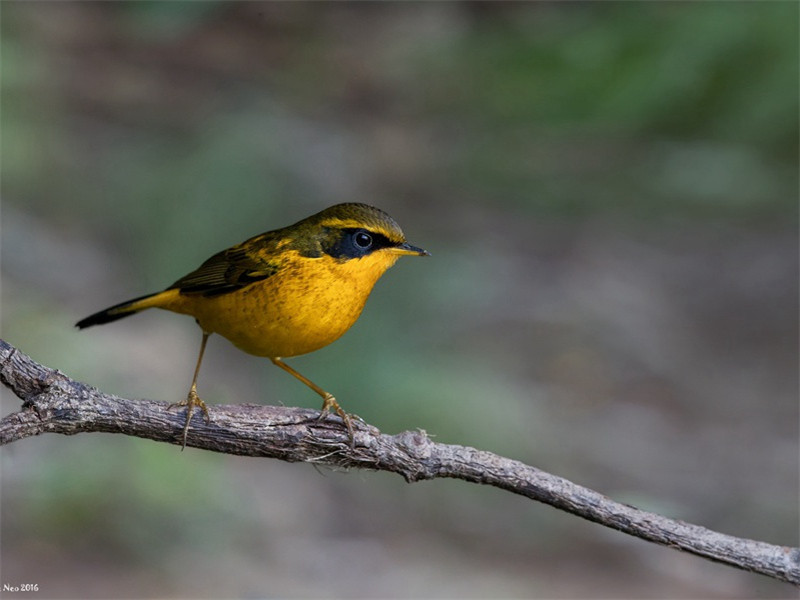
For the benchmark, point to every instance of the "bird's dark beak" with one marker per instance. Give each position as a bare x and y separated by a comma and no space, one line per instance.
406,249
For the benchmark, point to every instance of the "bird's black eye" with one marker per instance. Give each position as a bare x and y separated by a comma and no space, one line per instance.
363,240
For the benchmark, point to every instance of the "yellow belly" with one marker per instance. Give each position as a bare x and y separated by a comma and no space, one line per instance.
304,307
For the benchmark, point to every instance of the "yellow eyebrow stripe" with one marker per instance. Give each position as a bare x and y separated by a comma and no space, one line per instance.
343,223
356,224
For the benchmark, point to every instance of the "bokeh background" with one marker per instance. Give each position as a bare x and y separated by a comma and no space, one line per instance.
610,195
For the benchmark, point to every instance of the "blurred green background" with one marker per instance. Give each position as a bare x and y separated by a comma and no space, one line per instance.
610,195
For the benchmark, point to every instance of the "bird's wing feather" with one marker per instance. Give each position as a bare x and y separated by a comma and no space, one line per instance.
231,269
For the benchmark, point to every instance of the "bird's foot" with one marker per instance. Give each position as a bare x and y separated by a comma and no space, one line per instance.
192,400
330,404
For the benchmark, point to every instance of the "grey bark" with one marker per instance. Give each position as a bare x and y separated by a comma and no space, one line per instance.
54,403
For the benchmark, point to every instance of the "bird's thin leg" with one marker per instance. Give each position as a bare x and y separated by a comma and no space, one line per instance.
192,399
329,403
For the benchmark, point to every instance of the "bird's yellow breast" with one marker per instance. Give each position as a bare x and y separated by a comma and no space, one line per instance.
307,304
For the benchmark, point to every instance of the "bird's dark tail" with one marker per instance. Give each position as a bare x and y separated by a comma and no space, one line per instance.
119,311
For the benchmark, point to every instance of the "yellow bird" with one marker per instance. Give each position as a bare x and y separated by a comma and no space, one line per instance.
285,292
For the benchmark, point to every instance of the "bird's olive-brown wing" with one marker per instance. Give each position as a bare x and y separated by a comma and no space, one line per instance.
232,269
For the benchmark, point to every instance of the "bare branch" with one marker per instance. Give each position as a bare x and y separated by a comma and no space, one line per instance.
54,403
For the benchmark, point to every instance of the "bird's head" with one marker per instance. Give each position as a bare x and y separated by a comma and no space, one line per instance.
348,232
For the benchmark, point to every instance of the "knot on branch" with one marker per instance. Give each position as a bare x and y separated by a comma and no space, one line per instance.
26,378
417,450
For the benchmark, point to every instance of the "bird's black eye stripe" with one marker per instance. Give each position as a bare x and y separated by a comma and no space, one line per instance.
369,240
355,242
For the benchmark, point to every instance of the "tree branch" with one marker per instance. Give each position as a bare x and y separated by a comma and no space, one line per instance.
54,403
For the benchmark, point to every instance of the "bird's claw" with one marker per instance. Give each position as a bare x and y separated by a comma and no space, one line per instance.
191,400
